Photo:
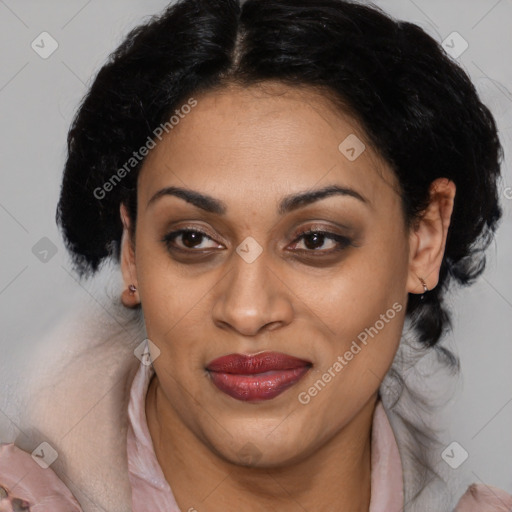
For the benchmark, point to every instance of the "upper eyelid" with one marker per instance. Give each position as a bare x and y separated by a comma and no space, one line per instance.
176,233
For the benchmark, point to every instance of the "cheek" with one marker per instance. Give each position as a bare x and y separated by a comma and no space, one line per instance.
175,307
353,360
164,296
364,287
361,309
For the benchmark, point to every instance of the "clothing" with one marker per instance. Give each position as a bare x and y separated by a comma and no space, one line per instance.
151,490
25,479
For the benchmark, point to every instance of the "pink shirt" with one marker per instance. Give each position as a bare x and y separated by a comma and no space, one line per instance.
24,479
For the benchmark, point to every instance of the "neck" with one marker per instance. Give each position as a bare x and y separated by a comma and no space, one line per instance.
336,476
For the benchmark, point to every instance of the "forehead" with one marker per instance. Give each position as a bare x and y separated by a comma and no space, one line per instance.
264,138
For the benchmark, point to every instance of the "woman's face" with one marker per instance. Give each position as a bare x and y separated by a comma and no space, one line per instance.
249,283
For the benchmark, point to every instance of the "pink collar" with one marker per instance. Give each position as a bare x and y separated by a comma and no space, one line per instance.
150,490
20,473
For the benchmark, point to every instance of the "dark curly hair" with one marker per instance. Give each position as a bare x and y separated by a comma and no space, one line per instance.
419,109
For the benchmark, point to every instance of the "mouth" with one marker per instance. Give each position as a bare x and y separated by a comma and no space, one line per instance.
256,377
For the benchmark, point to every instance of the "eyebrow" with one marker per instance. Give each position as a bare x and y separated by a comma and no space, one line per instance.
286,205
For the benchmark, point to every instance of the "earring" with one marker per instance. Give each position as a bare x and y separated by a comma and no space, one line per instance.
425,288
132,289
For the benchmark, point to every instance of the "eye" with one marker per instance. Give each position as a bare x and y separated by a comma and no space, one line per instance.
188,240
3,493
314,240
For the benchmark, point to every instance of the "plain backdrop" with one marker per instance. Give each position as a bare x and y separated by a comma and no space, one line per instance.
38,98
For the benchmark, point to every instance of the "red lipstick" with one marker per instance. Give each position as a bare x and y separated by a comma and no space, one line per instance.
258,377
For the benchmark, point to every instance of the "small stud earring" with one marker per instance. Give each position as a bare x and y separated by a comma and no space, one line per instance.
425,288
132,289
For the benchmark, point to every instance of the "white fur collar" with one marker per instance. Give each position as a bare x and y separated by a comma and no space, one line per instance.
77,395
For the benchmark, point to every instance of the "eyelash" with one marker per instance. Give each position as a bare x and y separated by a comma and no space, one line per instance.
342,241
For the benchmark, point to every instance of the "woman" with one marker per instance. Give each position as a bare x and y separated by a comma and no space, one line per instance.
284,185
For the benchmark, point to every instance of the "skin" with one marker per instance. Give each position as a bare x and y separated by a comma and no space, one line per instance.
8,503
249,148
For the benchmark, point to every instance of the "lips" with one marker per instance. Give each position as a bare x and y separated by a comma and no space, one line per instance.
256,377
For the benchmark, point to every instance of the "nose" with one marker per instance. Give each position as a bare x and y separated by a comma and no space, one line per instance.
252,298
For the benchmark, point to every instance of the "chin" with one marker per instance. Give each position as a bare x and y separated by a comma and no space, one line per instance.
259,451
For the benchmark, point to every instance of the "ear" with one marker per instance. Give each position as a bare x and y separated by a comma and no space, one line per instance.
427,239
129,298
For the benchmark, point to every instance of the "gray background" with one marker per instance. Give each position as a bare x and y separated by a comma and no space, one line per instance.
37,100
